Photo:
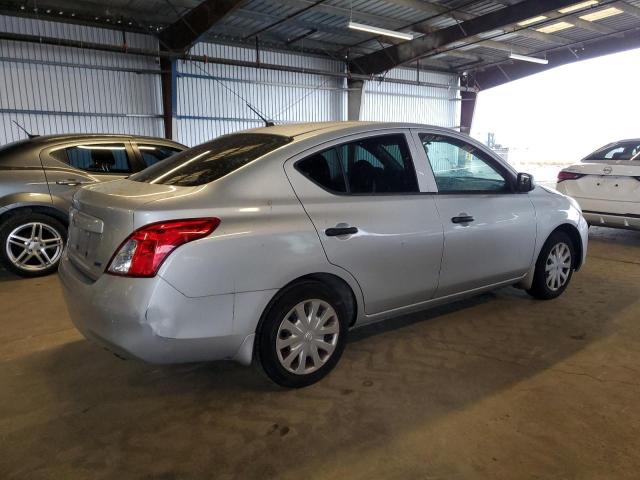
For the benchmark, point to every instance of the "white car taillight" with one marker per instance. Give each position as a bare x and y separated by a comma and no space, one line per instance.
564,175
143,252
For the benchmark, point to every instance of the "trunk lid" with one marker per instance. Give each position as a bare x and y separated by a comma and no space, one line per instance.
102,217
607,180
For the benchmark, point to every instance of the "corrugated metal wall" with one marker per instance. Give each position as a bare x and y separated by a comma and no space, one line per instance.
208,108
397,102
51,89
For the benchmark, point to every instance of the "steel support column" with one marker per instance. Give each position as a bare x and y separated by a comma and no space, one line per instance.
182,34
169,85
354,98
467,108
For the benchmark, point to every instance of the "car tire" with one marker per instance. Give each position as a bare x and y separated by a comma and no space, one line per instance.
554,267
302,335
31,244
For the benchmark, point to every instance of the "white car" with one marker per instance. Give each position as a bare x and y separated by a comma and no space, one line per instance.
606,184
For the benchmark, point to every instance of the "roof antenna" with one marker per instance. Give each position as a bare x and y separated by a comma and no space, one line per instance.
30,135
267,123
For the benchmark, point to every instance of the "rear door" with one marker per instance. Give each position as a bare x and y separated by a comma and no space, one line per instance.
489,230
363,197
72,165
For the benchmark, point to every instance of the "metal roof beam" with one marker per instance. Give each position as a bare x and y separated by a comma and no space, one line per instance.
543,37
575,20
412,50
628,8
432,8
270,39
495,75
187,30
502,47
357,16
320,27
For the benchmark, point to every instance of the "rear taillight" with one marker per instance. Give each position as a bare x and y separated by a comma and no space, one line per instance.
564,175
142,253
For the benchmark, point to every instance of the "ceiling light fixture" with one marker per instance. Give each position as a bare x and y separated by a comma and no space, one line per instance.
555,27
533,20
525,58
600,14
380,31
578,6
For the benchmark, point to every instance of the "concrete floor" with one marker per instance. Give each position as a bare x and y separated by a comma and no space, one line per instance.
498,387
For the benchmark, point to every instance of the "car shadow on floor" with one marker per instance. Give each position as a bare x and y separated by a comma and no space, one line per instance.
394,377
6,276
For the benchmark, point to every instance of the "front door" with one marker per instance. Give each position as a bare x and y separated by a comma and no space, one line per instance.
489,230
363,198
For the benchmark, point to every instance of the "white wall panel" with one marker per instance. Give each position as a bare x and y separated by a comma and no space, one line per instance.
208,108
397,102
54,89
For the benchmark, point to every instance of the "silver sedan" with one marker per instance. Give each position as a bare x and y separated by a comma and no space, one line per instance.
272,243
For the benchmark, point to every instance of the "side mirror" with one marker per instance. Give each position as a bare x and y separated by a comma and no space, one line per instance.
524,183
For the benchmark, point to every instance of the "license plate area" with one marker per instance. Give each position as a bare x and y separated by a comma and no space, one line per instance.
611,187
84,235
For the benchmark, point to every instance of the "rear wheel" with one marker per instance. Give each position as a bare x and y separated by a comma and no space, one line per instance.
554,267
32,244
303,335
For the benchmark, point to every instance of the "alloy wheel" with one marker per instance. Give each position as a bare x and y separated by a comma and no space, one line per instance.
34,246
307,336
558,266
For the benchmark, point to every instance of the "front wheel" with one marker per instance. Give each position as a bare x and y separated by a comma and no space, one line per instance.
554,267
32,244
303,335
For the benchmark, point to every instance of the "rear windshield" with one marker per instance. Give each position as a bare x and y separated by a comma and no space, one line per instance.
212,160
628,150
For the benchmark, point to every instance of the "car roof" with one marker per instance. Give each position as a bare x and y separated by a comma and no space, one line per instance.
44,139
298,129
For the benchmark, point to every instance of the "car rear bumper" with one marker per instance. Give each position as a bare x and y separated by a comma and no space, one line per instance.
613,220
147,318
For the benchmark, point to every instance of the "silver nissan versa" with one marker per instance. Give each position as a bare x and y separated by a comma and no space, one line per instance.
272,243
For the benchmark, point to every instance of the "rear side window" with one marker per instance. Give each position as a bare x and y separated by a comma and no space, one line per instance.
370,166
97,158
152,154
324,169
212,160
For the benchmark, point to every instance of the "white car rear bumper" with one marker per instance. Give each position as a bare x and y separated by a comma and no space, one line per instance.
613,220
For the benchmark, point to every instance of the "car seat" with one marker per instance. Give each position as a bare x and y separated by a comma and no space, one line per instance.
102,160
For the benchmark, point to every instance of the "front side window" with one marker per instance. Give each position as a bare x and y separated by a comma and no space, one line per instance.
152,154
96,158
629,150
212,160
370,166
460,167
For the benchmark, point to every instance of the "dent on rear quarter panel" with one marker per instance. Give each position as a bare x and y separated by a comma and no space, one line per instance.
199,317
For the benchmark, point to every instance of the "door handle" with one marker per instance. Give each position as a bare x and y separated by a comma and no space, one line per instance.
462,219
70,182
335,231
